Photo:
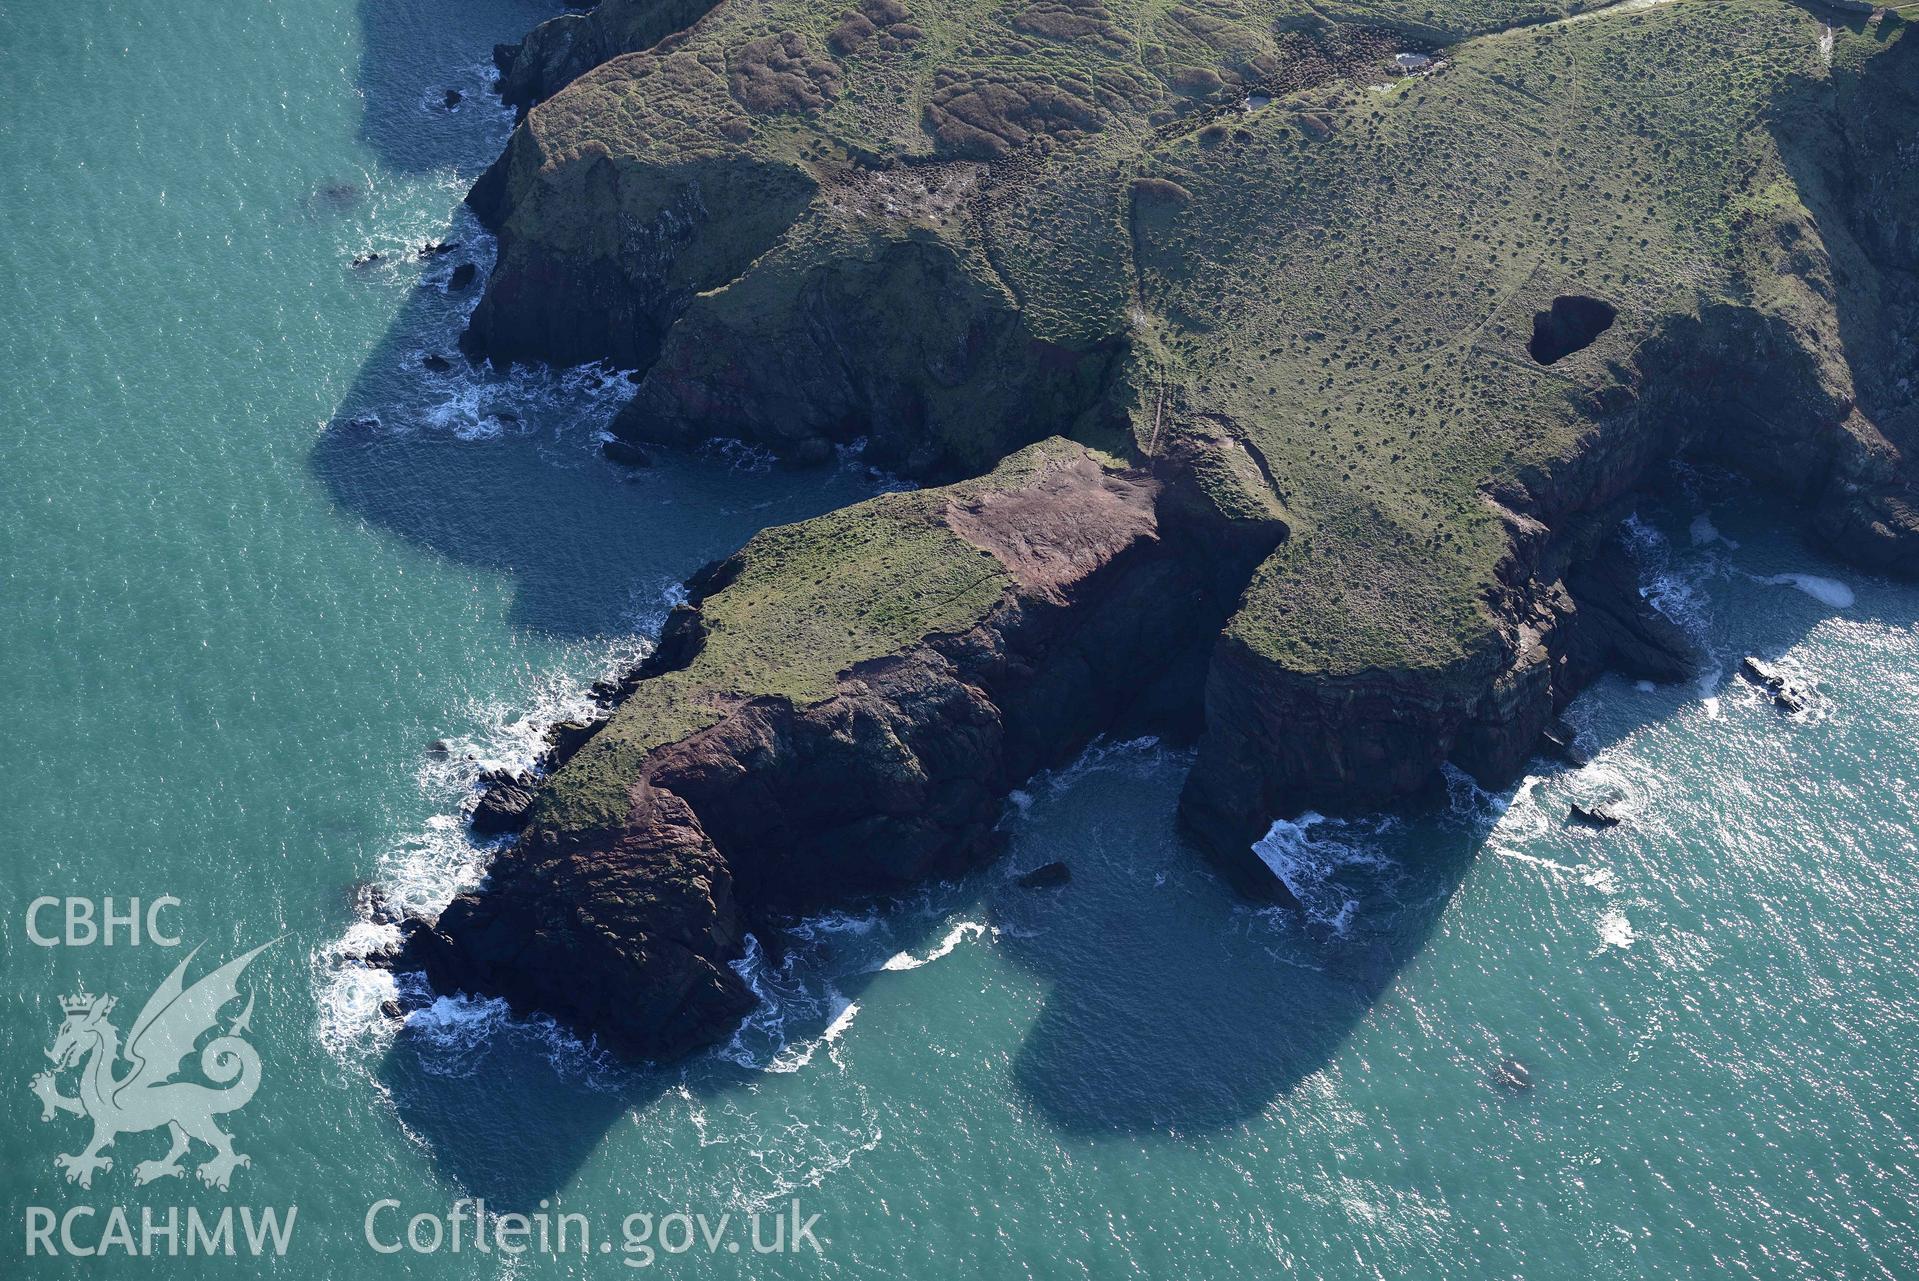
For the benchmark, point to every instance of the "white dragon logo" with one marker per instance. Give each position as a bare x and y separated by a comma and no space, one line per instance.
146,1097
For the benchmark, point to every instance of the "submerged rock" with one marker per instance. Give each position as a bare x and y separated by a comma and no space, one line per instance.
367,260
1511,1074
452,99
434,248
1046,877
625,453
462,277
437,363
339,196
371,903
439,749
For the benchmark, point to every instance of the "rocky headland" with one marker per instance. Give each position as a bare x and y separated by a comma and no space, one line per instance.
1263,396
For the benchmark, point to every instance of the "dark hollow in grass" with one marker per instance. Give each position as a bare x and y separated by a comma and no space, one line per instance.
1573,324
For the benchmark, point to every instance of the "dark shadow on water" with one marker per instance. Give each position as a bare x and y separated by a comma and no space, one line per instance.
412,51
502,1121
1172,1005
499,471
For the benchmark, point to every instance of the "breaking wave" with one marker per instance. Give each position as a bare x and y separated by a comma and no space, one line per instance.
959,934
1315,857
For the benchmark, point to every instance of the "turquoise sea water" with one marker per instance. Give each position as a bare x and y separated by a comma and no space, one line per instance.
257,557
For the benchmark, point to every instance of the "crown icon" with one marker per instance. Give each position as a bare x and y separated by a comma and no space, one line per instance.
81,1002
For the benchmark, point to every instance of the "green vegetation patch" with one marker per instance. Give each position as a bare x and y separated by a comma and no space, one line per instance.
1351,275
810,601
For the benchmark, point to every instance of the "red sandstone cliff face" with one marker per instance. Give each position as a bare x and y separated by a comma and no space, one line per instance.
628,933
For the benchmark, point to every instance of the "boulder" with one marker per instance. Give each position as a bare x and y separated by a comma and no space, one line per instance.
1046,877
1562,741
505,803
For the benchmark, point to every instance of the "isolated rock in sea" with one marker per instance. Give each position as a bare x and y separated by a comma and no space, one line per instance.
436,363
1562,740
1786,695
451,99
1594,815
1045,877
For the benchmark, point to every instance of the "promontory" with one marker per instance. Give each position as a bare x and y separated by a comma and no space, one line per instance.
1275,373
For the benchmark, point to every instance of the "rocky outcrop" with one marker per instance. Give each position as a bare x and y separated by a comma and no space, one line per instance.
561,50
780,804
599,256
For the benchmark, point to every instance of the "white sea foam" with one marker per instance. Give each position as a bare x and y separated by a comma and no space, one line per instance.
960,933
793,1057
1311,853
851,457
1827,591
814,927
785,997
1100,755
1615,930
1521,856
739,455
1677,595
455,1034
1704,533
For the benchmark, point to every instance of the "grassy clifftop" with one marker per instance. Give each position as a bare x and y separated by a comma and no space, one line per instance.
1352,276
1425,307
803,604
